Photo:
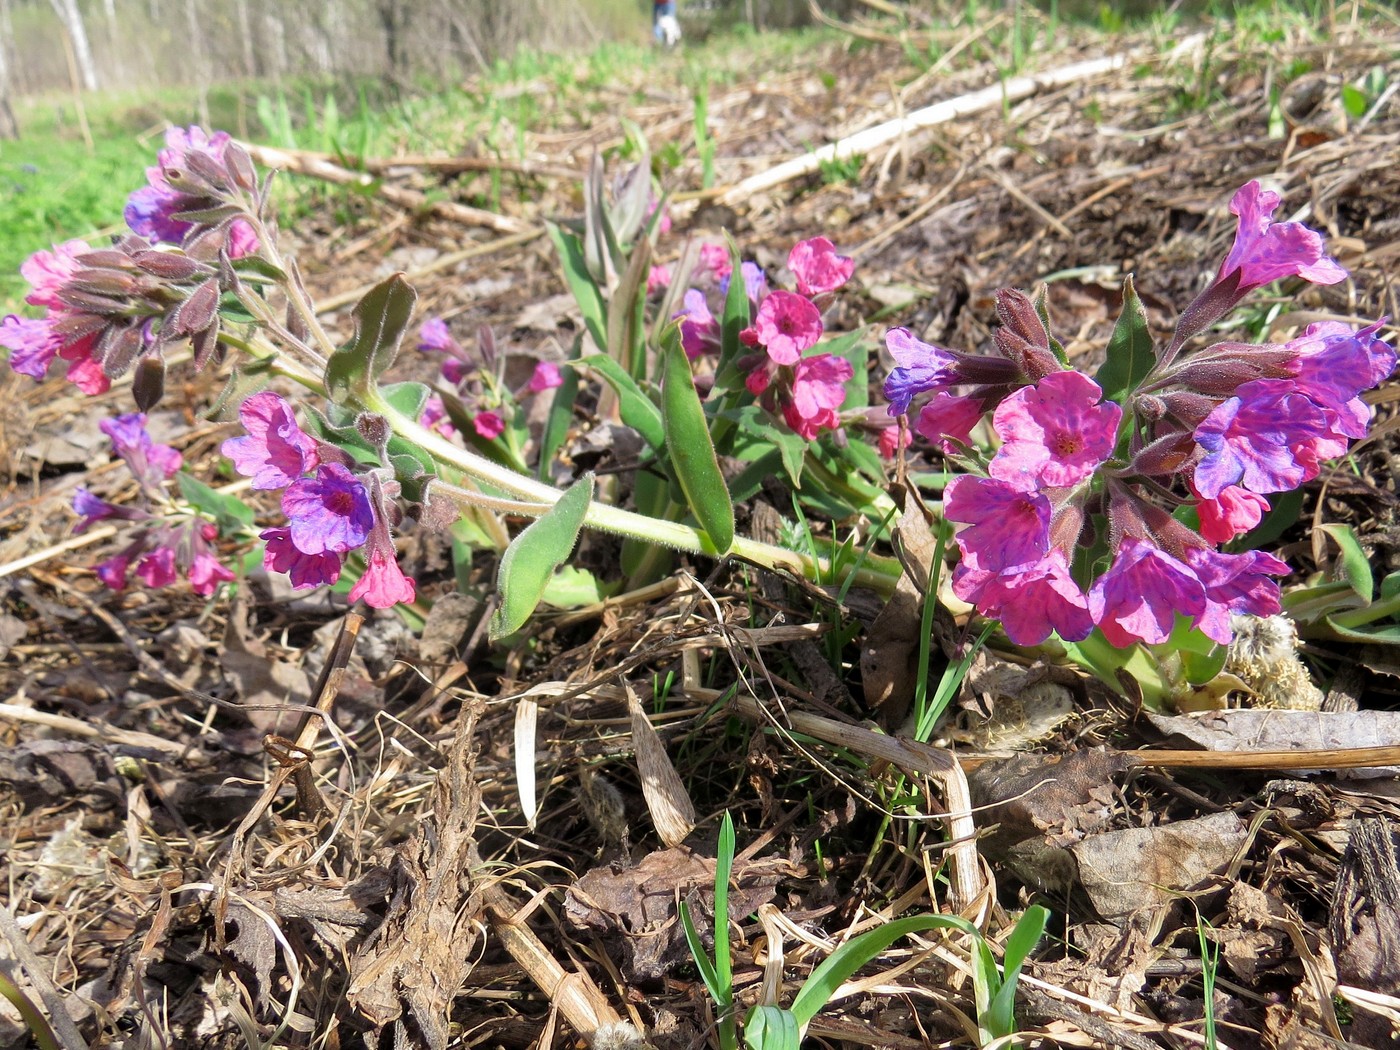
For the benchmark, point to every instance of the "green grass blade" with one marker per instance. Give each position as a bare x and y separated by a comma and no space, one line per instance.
818,989
772,1028
1001,1012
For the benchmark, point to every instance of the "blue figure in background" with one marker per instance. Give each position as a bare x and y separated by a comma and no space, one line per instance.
664,25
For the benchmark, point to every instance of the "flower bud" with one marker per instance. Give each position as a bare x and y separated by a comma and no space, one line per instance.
118,347
172,266
1188,407
148,385
1022,337
1165,456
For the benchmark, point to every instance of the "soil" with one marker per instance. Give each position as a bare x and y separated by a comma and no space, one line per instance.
179,873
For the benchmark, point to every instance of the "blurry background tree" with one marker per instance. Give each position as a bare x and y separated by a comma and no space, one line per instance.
51,45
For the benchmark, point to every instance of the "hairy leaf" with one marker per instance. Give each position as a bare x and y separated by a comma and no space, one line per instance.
691,450
532,557
381,318
1130,354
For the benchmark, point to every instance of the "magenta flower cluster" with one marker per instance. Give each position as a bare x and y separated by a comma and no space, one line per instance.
187,174
1075,521
480,391
165,545
330,510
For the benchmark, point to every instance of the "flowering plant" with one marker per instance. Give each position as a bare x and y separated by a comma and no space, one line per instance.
1096,512
1100,515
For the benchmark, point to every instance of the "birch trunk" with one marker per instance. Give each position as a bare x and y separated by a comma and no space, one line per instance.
72,19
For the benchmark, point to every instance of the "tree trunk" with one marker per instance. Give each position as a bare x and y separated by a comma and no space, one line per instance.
9,126
72,19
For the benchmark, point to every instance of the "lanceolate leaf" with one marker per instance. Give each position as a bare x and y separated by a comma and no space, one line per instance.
691,450
1130,355
637,410
735,317
532,557
381,318
581,283
561,415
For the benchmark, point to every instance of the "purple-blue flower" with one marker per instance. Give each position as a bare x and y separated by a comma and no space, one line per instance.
1258,439
149,463
32,343
921,368
304,570
329,511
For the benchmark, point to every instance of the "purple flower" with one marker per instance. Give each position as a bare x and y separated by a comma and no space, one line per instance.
92,509
922,367
1139,597
818,388
1265,251
151,210
275,451
1235,583
304,570
947,418
1055,433
1264,439
433,335
329,511
1334,364
33,344
817,267
699,329
149,463
755,280
787,325
112,572
1008,528
1031,600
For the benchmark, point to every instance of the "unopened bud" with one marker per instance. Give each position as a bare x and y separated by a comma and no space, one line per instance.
206,245
148,385
198,311
173,266
1165,456
117,349
240,167
104,259
1190,408
206,346
202,173
374,428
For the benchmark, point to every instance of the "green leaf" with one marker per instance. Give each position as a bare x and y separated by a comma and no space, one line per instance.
1130,355
571,588
724,865
819,987
585,290
407,399
1354,101
561,417
1355,566
1000,1020
229,512
688,442
718,992
735,317
1041,301
532,557
637,410
772,1028
626,313
381,318
1287,507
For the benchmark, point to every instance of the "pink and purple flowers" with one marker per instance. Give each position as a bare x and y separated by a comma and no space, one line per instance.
1082,522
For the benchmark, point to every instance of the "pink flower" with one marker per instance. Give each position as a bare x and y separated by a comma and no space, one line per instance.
1235,583
1234,511
48,271
1008,527
716,258
1055,433
433,335
85,373
112,572
1141,594
817,267
947,418
890,441
658,277
787,325
305,570
546,376
818,388
241,239
275,451
383,584
1266,251
1031,600
488,425
157,568
206,574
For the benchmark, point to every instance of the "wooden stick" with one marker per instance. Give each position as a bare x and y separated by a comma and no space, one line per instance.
315,167
862,142
444,165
